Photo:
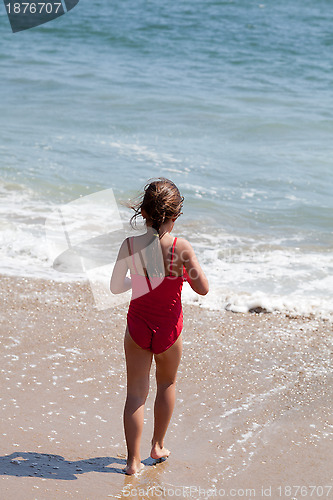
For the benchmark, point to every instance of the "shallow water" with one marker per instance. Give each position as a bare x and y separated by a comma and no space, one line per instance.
229,99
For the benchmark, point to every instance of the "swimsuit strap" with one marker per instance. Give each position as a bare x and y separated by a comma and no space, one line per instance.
172,254
130,246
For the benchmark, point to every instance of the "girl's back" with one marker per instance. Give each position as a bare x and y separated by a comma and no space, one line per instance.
156,275
158,254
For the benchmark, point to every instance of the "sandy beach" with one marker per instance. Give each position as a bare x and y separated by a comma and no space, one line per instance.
253,416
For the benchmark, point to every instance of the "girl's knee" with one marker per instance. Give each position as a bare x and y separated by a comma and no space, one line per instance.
165,376
133,402
166,385
139,393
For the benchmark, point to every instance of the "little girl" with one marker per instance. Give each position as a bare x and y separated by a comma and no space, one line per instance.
158,265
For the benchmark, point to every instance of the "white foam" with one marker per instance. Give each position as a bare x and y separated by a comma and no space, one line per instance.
142,153
245,272
268,275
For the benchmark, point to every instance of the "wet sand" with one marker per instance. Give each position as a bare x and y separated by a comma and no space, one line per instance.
253,416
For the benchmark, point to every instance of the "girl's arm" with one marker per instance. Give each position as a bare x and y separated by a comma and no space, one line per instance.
195,275
119,281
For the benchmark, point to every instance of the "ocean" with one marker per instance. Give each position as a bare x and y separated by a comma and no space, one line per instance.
232,100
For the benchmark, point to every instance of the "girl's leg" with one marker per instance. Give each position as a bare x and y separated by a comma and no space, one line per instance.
166,371
138,363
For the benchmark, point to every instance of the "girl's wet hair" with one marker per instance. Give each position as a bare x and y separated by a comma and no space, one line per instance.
161,201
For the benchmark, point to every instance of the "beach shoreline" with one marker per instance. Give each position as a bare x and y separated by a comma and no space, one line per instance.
253,410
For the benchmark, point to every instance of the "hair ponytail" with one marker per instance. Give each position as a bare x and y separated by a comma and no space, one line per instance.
161,200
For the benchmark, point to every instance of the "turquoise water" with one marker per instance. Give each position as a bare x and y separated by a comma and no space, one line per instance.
232,100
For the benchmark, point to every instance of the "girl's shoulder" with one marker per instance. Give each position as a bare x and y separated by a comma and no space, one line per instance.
133,239
132,244
128,245
183,247
183,244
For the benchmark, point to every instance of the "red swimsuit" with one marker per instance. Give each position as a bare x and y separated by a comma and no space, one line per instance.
155,316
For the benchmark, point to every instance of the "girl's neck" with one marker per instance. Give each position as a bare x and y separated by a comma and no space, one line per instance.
153,233
166,227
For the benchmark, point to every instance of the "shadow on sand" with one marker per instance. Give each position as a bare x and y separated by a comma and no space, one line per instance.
56,467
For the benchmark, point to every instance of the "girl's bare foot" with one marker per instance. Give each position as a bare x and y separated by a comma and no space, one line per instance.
133,468
158,452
